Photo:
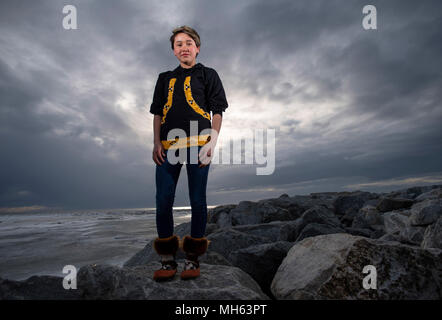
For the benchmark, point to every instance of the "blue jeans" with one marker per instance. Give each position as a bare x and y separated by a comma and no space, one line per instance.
166,177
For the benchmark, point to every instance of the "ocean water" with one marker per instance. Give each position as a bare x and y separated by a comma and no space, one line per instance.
43,243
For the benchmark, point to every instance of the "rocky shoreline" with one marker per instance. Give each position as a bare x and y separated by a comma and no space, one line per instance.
302,247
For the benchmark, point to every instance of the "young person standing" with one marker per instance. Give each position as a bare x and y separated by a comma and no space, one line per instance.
182,98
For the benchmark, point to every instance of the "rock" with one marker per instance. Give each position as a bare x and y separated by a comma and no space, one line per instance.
284,201
426,212
220,215
277,214
280,209
211,228
368,217
182,229
411,193
290,230
224,220
261,261
314,229
227,240
395,221
212,257
317,199
331,267
386,204
245,213
329,196
359,232
433,236
321,215
98,282
349,203
271,230
372,216
390,237
36,288
433,194
269,213
412,235
251,253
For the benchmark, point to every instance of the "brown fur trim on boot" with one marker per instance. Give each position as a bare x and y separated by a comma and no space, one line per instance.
166,246
195,246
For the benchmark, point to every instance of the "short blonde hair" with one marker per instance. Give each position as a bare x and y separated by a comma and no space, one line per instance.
187,30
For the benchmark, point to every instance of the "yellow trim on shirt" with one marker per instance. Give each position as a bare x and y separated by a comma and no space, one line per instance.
168,104
191,101
186,142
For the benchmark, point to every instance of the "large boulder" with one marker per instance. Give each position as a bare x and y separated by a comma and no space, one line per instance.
367,217
433,235
261,261
395,221
321,215
331,267
324,199
215,282
279,209
291,229
349,203
412,235
109,282
220,215
363,232
271,231
412,193
227,240
246,213
36,288
386,204
315,229
432,194
426,212
284,208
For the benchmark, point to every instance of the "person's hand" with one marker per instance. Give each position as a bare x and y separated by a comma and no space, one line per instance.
206,153
158,153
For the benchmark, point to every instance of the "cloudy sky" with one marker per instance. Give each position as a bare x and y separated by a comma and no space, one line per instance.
352,109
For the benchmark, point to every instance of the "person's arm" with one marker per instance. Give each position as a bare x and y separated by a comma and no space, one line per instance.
217,102
157,110
216,125
156,128
158,149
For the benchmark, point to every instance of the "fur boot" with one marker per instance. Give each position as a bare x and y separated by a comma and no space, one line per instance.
193,247
166,247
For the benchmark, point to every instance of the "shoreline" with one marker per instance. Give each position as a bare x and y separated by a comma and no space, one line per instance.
43,243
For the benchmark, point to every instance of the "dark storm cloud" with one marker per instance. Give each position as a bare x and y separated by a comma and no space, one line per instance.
39,166
358,106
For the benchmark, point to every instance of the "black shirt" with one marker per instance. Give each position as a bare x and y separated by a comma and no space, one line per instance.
185,95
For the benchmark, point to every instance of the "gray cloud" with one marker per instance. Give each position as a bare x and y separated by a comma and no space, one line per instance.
352,108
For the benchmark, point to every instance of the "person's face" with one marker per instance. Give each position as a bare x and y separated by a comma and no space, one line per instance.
185,49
